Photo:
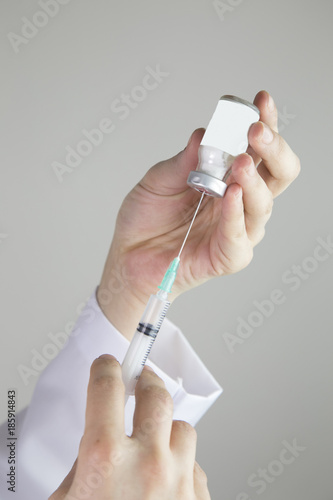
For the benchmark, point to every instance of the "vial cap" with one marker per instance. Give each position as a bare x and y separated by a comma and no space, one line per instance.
229,125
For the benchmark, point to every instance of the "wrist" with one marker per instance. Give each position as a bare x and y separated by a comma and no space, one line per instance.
117,299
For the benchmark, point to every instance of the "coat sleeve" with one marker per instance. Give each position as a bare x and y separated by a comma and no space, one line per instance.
53,424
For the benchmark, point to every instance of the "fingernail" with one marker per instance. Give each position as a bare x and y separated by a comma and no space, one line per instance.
238,193
267,135
149,368
189,141
250,169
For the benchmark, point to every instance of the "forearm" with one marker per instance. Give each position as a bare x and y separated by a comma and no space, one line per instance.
123,310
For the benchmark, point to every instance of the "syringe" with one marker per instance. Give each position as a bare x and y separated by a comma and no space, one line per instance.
150,323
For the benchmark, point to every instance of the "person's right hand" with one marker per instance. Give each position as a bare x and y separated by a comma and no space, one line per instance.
155,216
156,462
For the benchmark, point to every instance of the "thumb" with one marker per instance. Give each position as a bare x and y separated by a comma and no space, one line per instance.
169,177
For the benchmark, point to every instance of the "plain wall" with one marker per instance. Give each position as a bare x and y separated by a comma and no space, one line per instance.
54,236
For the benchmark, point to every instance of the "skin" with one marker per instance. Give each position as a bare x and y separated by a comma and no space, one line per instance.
157,461
155,216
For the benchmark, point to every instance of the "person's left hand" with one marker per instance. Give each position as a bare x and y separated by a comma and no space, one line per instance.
156,462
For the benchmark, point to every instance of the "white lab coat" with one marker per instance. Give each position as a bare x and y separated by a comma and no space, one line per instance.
50,429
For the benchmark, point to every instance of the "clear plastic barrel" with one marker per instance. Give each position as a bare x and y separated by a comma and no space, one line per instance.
143,340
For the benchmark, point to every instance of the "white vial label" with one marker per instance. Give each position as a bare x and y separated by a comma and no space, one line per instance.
228,127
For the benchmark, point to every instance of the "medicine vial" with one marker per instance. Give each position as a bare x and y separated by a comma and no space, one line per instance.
224,139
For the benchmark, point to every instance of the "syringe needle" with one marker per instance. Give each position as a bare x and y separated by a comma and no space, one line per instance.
150,323
189,229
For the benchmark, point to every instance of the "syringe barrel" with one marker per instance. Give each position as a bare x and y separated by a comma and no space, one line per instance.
143,340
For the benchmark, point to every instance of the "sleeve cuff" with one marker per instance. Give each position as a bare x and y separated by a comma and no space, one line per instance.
187,379
58,404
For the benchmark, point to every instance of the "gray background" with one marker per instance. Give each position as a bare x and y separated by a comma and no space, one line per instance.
55,236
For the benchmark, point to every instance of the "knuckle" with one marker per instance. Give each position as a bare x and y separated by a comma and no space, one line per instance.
297,168
280,146
238,235
269,205
185,428
155,470
235,264
200,474
260,235
294,164
159,394
98,450
246,258
108,383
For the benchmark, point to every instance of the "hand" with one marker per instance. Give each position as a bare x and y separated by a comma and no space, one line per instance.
157,461
155,215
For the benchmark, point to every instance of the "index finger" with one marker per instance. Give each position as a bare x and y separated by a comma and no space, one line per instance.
105,399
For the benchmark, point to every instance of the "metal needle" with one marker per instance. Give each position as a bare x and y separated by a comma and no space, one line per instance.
189,229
